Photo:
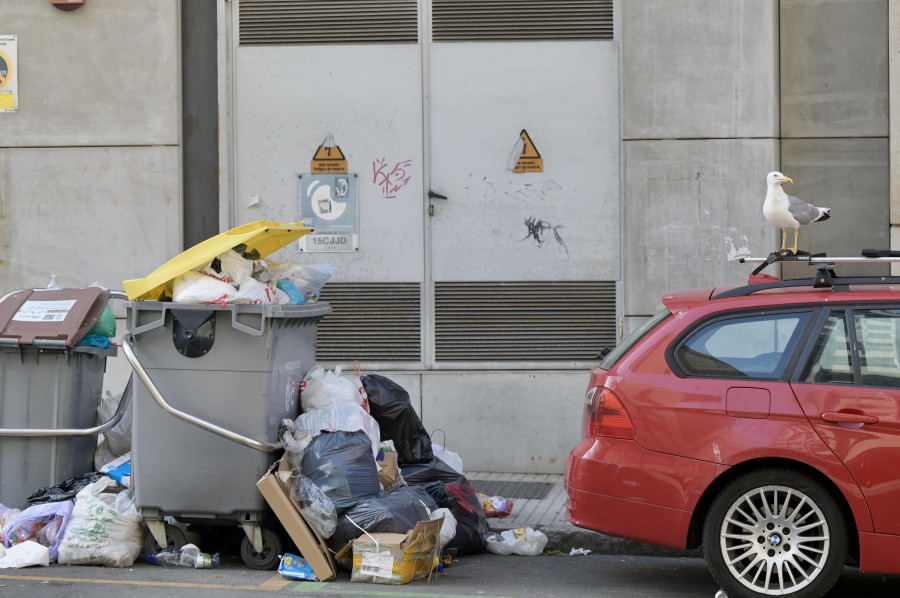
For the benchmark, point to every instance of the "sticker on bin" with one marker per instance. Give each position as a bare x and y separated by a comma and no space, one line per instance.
44,311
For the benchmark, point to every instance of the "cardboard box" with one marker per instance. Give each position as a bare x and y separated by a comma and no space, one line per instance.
275,488
397,558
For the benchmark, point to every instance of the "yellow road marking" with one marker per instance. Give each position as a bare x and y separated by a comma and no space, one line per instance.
266,585
276,582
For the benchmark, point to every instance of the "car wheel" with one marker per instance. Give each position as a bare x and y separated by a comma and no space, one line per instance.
775,532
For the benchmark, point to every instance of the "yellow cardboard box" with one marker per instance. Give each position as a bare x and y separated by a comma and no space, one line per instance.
397,558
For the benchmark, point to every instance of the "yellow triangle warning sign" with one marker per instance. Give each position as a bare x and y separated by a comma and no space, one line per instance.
328,159
530,159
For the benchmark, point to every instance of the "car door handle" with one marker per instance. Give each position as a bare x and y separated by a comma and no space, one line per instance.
839,417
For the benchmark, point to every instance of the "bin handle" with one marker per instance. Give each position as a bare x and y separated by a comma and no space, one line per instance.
132,358
43,432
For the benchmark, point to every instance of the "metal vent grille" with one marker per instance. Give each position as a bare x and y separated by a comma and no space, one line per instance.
298,22
371,322
523,321
524,20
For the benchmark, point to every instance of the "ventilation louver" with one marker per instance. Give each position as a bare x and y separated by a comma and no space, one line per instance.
523,321
298,22
521,20
371,322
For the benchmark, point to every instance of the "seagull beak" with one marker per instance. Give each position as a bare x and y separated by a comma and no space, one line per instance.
786,180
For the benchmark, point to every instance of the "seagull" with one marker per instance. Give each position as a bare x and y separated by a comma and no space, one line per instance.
786,211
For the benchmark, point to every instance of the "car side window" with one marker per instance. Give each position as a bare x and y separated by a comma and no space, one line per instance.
830,361
743,347
877,338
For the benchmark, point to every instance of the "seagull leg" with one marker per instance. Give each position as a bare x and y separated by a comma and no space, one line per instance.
783,239
796,234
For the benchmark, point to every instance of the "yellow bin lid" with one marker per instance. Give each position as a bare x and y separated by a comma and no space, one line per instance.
264,236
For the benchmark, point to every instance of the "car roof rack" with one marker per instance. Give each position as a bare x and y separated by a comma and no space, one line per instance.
825,278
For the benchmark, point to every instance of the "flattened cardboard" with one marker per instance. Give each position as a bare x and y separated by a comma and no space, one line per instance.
274,487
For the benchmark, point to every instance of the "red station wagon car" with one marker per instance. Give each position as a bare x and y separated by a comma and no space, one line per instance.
761,422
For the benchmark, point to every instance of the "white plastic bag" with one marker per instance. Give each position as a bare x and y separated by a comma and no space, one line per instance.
25,554
523,540
308,278
259,293
117,441
196,287
448,527
104,529
321,388
233,268
448,457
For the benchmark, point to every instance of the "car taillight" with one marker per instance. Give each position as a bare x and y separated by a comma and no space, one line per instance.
605,415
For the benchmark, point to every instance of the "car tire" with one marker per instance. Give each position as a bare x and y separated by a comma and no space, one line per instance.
775,532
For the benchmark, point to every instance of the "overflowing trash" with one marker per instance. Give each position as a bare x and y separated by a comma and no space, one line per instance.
360,486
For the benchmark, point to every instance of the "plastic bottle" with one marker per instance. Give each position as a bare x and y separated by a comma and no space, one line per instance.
188,556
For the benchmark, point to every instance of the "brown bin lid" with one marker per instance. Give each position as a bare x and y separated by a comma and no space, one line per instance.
51,314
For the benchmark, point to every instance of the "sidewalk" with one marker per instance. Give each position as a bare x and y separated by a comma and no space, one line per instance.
540,503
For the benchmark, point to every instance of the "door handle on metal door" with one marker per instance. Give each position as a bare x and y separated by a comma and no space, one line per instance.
433,195
840,417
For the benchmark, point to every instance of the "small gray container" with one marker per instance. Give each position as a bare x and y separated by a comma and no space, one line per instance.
236,367
50,388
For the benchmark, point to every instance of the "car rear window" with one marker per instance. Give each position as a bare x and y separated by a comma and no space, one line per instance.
629,341
756,346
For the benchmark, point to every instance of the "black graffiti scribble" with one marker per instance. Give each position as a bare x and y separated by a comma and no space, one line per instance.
536,229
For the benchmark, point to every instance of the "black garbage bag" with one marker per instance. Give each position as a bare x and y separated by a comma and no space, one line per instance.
397,512
342,464
471,523
389,405
64,491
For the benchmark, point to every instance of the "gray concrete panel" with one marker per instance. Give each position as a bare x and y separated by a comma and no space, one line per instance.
104,74
834,68
850,176
692,208
513,422
699,68
87,214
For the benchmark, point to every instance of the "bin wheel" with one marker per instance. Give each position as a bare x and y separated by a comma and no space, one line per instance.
175,539
269,557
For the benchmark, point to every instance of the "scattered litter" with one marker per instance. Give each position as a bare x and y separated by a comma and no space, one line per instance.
523,540
295,567
579,551
495,506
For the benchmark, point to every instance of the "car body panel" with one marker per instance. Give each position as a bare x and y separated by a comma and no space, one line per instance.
690,430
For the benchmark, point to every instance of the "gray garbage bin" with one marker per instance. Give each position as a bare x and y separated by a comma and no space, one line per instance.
214,384
50,388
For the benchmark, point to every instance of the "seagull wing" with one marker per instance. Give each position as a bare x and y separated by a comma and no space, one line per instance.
802,212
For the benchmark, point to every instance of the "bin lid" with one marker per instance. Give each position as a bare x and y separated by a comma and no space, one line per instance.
264,236
61,315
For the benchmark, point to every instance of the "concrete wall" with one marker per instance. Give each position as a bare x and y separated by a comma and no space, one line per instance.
700,126
89,165
717,94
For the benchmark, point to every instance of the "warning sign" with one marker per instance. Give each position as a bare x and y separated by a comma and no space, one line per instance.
328,159
530,159
9,91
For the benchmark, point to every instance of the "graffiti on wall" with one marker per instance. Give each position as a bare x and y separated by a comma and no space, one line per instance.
390,179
